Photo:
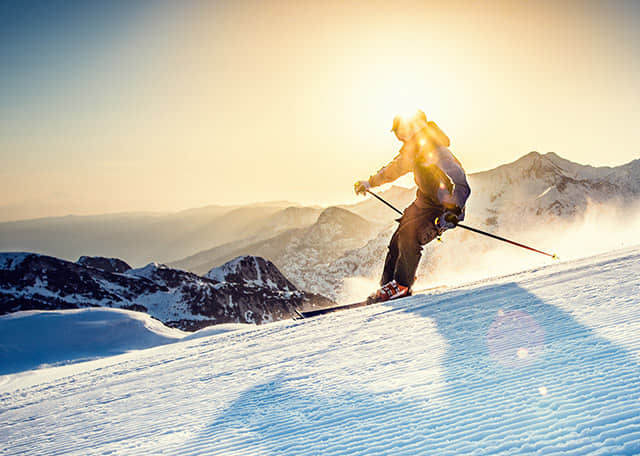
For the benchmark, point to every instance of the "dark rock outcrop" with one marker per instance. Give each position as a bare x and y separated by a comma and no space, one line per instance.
106,264
251,271
248,290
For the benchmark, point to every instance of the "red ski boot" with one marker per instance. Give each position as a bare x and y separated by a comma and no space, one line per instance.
388,291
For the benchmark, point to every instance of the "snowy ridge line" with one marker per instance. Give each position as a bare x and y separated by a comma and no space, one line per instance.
577,265
253,290
431,374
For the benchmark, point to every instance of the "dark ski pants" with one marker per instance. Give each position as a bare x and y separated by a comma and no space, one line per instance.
417,228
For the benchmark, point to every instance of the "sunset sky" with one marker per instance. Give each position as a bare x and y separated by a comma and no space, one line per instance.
112,106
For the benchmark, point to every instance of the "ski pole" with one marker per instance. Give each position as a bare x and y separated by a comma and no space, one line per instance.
475,230
385,202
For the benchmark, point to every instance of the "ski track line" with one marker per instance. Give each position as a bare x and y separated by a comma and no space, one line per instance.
412,377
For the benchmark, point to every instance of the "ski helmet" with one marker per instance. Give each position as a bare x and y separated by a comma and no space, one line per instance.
409,124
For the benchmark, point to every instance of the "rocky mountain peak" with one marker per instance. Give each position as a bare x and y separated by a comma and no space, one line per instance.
335,231
148,271
106,264
11,260
532,166
336,214
251,271
163,275
536,166
254,292
335,220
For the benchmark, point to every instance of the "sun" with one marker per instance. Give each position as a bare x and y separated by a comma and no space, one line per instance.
395,92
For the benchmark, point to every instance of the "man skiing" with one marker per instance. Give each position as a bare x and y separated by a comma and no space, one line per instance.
439,205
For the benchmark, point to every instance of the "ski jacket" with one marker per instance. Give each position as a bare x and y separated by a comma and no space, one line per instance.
440,178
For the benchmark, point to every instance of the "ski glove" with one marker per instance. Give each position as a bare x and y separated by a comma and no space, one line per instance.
361,187
447,221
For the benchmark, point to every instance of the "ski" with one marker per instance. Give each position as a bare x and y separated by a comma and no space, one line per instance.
326,310
302,314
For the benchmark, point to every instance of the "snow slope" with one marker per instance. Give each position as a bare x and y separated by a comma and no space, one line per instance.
543,362
33,338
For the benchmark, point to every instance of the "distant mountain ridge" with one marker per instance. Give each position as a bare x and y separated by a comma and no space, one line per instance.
297,253
514,197
548,185
535,190
143,238
248,290
318,248
537,183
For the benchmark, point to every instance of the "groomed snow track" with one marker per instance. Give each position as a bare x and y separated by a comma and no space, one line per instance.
542,362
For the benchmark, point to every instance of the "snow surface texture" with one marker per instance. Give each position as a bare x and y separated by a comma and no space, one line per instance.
38,339
34,338
543,362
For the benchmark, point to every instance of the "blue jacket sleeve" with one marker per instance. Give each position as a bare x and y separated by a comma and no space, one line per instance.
452,168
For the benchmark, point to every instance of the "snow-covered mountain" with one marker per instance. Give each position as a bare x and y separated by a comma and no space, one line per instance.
534,191
318,249
544,362
518,193
547,186
251,271
105,264
298,253
248,290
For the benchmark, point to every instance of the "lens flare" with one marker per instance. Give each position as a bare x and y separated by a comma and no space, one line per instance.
515,339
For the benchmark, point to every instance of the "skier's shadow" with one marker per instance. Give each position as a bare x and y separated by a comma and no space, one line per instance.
519,375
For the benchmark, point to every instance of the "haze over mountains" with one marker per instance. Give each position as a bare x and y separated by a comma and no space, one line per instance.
317,248
143,238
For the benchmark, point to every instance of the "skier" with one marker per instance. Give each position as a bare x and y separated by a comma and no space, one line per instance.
439,205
